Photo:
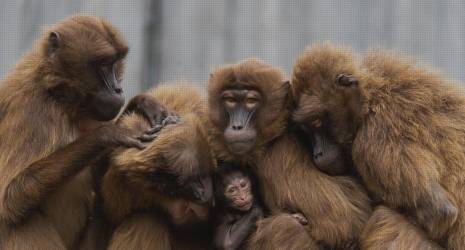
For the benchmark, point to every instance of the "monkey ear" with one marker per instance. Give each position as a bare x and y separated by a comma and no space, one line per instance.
346,80
53,42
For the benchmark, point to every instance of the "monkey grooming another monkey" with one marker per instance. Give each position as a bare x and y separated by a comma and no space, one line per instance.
54,111
159,197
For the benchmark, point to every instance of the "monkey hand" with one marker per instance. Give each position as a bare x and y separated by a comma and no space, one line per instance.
112,135
257,212
300,218
154,131
437,214
154,112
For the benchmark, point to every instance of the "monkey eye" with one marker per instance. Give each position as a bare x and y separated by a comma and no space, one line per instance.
251,103
229,102
346,80
231,190
243,184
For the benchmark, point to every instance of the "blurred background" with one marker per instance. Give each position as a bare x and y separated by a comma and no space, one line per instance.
185,40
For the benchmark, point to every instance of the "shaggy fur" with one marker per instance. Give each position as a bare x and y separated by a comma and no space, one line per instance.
44,200
336,207
406,128
387,229
130,185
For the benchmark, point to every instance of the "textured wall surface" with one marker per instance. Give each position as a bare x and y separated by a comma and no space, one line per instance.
179,39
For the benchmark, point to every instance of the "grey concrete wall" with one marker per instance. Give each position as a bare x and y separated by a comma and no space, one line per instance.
180,39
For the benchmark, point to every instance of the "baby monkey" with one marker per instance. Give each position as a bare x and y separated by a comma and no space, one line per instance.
237,207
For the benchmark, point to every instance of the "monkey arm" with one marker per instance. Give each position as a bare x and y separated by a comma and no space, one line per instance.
406,176
231,234
27,189
146,106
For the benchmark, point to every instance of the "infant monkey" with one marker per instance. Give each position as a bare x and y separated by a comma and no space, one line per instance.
237,207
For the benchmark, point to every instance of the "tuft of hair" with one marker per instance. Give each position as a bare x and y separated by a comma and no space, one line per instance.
317,68
183,97
271,117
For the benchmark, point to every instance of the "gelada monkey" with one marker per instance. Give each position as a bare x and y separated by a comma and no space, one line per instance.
404,127
55,108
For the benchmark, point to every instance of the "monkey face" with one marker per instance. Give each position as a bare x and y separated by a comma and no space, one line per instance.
240,106
108,99
238,191
327,93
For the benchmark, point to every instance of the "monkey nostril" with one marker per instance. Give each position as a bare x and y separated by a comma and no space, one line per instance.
317,155
237,127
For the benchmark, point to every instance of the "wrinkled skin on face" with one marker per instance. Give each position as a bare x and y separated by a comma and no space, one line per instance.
240,105
237,190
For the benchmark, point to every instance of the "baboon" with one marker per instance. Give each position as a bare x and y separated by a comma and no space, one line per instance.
157,196
404,127
51,106
249,106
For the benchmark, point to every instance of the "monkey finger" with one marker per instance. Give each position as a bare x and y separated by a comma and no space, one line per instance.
133,143
154,129
147,137
170,120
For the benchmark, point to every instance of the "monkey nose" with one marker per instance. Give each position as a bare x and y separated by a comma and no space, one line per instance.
237,127
317,154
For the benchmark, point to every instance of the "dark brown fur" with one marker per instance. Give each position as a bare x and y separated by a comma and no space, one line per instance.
44,201
130,197
406,128
336,207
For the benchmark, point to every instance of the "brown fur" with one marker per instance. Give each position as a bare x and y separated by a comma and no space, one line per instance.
45,206
126,187
387,229
406,127
336,207
277,231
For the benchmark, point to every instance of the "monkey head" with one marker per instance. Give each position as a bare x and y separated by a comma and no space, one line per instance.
328,101
86,56
233,188
175,167
247,105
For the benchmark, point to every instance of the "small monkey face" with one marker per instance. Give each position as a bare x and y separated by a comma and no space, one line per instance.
238,192
240,106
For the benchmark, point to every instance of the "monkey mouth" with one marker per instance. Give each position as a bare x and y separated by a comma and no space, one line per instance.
242,146
245,206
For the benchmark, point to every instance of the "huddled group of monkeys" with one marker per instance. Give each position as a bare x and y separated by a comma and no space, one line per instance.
354,152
